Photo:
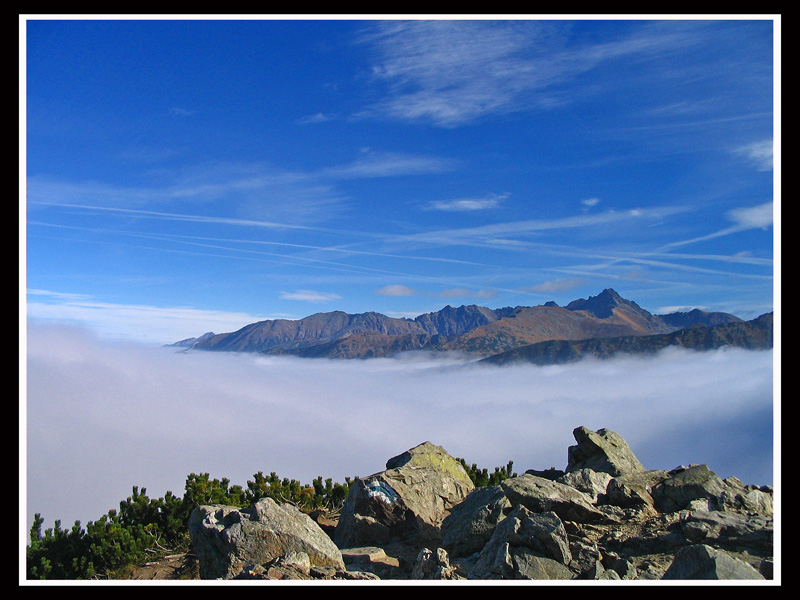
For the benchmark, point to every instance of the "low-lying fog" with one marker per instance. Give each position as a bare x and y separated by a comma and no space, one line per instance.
104,416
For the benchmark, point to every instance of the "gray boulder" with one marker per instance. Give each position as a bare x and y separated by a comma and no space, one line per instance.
433,565
227,539
592,483
604,451
586,557
684,485
528,564
525,545
542,495
749,498
406,502
633,490
704,562
621,566
726,527
471,523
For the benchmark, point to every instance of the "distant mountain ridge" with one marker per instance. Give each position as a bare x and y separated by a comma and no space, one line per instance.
192,342
471,329
752,335
323,328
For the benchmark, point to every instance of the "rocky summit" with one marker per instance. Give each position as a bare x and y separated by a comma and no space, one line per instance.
604,517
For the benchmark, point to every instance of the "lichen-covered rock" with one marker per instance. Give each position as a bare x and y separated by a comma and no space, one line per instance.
227,539
408,501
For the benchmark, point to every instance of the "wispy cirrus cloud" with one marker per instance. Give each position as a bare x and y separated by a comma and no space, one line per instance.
590,202
751,217
310,296
759,154
317,118
503,235
498,67
466,204
373,164
396,290
557,285
253,190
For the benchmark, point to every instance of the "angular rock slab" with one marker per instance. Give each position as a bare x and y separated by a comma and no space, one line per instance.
749,498
471,523
408,501
633,489
728,527
227,539
592,483
704,562
433,565
684,485
603,451
525,545
542,495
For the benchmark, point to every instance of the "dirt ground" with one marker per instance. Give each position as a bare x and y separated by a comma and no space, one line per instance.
174,566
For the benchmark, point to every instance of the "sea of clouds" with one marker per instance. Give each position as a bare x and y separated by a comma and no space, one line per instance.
102,416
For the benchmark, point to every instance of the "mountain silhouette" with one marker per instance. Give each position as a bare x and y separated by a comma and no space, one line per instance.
473,330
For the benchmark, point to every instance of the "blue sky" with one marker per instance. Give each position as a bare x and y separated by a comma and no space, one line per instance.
184,176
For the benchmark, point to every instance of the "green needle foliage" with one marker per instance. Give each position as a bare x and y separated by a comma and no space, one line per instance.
482,477
146,527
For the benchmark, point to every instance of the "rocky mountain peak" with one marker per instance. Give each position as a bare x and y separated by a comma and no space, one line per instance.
602,306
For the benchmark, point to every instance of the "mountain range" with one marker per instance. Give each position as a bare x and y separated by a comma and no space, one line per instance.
492,334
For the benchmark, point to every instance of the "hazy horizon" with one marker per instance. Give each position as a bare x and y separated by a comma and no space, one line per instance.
105,416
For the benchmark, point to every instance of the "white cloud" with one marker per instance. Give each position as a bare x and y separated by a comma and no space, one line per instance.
589,202
310,296
103,417
396,290
451,72
758,153
295,198
557,285
176,111
466,204
388,164
316,118
499,235
754,217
